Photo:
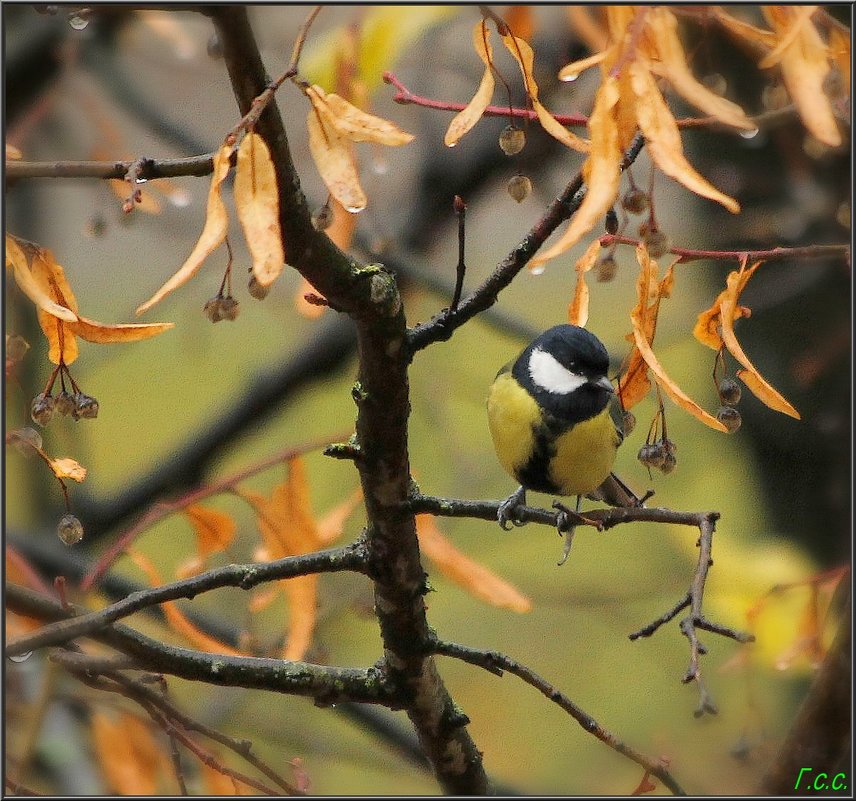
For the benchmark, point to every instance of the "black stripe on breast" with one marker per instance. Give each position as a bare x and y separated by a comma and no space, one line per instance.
535,474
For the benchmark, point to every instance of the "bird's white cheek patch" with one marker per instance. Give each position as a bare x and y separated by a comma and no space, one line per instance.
548,374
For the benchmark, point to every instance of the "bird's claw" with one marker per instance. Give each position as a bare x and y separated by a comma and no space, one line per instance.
506,512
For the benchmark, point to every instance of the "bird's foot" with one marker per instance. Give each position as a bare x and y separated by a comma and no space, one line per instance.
505,513
566,524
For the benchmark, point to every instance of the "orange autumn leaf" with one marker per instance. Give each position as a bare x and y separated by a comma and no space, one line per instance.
750,375
474,577
213,232
257,205
51,277
178,621
757,37
464,120
13,153
572,71
332,524
673,66
306,309
103,333
664,139
601,171
218,783
358,125
579,305
708,324
677,395
789,34
17,261
215,531
520,21
334,158
804,62
128,754
68,468
525,59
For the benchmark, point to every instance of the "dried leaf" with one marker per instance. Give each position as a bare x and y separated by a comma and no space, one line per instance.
128,754
805,65
332,524
709,321
17,260
306,309
334,158
215,530
584,26
68,468
51,278
572,71
13,153
578,307
178,621
102,333
474,577
788,35
666,383
213,232
257,204
218,783
466,119
602,173
743,30
341,230
525,58
356,124
673,66
263,598
750,376
664,140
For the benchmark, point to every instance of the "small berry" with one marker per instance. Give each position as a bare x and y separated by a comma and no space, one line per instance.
730,418
258,290
69,530
519,187
229,308
629,423
669,463
652,455
214,47
657,243
65,404
42,409
86,407
212,309
669,447
16,347
635,201
322,219
512,140
729,392
611,223
605,269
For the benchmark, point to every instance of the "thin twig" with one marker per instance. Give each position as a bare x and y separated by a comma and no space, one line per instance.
496,662
150,169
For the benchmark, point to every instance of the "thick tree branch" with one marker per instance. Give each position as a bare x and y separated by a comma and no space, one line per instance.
351,558
496,663
443,325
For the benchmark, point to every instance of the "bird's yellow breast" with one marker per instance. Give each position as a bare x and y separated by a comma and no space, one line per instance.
582,456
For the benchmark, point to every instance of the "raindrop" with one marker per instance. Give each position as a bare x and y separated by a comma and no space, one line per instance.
141,180
539,270
750,134
570,77
380,166
354,209
179,198
78,21
21,657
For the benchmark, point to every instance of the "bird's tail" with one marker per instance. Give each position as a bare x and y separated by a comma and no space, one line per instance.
615,492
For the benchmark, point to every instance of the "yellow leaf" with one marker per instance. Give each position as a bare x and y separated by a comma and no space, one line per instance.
213,232
51,277
663,137
334,158
805,65
128,754
525,58
750,376
215,531
17,260
602,173
466,119
578,307
102,333
673,66
177,621
788,35
666,383
474,577
743,30
257,204
68,468
358,125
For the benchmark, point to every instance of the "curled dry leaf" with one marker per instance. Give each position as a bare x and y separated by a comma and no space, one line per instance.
215,530
805,64
466,119
525,58
257,205
68,468
572,71
128,753
102,333
17,261
664,139
333,155
601,171
579,305
757,37
213,232
788,35
750,375
360,126
332,524
709,322
13,153
474,577
176,619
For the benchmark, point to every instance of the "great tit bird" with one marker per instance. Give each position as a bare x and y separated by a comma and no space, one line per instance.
555,421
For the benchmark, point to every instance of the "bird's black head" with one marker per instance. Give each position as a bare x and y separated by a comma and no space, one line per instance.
565,370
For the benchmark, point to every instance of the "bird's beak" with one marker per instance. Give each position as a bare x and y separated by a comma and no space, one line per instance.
604,383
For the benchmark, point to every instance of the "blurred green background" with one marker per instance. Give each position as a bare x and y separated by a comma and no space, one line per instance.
768,480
